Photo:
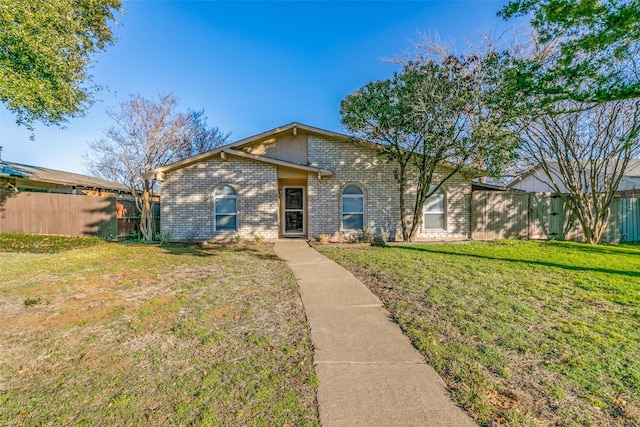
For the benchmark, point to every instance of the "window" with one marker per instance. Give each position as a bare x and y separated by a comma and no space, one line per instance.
225,206
434,210
352,208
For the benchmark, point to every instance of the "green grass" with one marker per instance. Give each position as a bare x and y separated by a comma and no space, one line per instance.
523,333
146,334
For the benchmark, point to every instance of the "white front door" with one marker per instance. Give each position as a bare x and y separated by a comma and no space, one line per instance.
293,209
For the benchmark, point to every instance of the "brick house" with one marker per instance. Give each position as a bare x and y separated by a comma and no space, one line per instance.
298,181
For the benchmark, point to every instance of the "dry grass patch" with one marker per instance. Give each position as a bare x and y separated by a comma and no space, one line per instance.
135,334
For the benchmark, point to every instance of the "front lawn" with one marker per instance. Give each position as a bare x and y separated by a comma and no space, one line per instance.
96,333
523,333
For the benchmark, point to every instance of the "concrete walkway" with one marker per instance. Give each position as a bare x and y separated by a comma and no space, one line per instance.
370,374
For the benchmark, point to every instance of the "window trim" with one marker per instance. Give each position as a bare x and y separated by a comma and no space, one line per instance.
217,197
442,212
352,196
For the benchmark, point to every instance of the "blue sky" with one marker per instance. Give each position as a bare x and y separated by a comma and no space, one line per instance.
251,66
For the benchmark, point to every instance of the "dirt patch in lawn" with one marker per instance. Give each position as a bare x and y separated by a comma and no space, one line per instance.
139,334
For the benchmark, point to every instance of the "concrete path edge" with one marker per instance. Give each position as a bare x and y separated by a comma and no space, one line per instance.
369,373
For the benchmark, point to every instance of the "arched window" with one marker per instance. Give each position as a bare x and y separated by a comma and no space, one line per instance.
352,208
225,207
434,210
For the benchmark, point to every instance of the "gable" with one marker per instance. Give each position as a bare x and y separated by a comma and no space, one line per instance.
286,146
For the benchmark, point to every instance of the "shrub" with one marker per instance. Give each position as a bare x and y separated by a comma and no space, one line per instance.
324,238
367,235
382,238
191,236
164,237
340,237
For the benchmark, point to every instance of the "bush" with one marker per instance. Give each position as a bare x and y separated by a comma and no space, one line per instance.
367,235
324,238
192,236
382,238
163,238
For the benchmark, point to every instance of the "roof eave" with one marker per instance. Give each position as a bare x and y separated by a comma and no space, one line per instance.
264,135
278,162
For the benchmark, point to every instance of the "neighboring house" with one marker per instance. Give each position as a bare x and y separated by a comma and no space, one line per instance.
536,181
298,181
19,177
38,200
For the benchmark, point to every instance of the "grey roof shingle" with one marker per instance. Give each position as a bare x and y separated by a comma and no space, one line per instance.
36,173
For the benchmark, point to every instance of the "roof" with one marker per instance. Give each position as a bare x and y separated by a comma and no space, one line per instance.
633,168
158,173
40,174
633,171
475,185
231,149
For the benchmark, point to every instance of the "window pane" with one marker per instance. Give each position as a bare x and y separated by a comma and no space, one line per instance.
293,198
352,221
226,222
434,221
226,205
352,204
293,222
435,203
225,190
352,189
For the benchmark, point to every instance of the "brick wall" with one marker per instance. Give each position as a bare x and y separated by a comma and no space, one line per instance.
351,164
357,164
187,199
187,195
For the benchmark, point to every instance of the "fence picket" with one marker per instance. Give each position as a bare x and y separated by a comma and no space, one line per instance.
63,214
505,215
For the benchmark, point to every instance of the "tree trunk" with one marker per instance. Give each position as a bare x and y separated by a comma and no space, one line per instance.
147,223
402,180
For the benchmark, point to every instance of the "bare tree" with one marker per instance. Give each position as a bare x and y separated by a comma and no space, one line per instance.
203,138
584,151
147,134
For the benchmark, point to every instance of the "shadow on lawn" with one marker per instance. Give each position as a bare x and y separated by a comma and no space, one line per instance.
525,261
215,250
622,249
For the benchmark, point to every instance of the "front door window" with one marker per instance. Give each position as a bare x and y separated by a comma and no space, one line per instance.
293,210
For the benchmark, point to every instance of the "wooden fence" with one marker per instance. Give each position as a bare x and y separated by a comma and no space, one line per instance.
518,215
630,220
129,218
63,214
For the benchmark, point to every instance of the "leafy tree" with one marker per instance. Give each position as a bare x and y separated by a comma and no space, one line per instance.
585,150
433,113
147,134
590,49
46,47
381,112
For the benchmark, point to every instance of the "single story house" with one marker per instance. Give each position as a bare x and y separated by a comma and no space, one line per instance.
298,181
36,179
535,180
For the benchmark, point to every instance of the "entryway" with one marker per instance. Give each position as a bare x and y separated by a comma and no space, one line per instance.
293,211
